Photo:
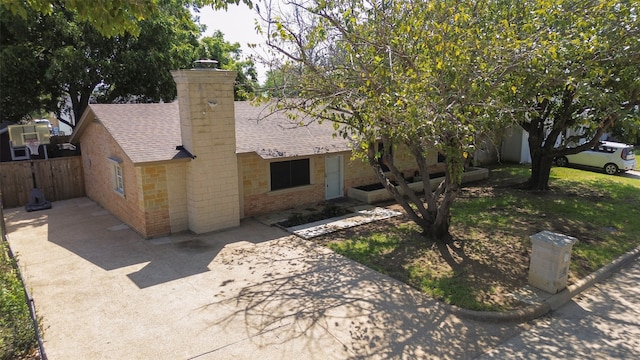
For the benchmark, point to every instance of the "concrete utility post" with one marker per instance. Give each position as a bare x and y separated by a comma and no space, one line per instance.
550,258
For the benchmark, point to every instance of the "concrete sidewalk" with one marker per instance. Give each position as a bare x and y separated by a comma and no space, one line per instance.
103,292
601,323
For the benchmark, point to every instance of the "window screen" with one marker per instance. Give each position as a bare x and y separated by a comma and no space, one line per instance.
288,174
118,181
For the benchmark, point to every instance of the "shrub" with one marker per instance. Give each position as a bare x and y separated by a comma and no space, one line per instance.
17,336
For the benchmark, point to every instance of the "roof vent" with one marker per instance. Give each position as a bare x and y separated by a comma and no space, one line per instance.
206,64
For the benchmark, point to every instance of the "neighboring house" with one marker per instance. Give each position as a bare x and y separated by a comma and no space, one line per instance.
205,162
515,145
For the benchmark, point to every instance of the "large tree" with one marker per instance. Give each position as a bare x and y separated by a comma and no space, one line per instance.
629,130
77,59
24,83
229,57
422,75
108,17
582,75
58,63
282,82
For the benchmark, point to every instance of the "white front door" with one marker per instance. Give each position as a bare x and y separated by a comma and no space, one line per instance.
333,176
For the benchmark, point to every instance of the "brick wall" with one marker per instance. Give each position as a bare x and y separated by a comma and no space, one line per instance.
148,190
255,188
97,147
255,182
358,172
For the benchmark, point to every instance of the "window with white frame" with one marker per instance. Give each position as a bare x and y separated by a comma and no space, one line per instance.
118,181
119,184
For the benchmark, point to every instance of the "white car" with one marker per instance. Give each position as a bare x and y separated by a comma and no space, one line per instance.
612,157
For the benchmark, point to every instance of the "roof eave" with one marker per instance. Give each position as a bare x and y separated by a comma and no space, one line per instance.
86,118
267,155
161,162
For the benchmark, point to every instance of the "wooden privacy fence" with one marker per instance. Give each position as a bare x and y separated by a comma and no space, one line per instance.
58,178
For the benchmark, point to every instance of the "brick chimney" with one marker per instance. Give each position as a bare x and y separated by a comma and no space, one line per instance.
207,125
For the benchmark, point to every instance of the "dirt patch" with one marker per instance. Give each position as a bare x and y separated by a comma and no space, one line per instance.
491,261
329,211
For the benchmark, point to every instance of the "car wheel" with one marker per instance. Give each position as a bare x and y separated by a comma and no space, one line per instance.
611,169
562,161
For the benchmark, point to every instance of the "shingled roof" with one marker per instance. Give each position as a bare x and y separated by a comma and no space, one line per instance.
145,132
151,132
274,135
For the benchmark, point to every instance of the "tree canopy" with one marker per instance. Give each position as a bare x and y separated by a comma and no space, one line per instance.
581,75
432,76
409,73
24,85
77,59
282,81
108,17
228,56
57,63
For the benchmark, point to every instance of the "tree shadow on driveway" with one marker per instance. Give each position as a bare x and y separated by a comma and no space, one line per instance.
260,295
316,298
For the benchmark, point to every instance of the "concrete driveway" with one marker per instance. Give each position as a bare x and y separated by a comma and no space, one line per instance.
253,292
635,174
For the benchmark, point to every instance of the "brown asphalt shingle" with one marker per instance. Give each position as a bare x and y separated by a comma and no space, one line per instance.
151,132
275,136
145,132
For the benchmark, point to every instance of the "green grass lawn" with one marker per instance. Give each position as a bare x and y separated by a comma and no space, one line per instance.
492,222
601,210
608,205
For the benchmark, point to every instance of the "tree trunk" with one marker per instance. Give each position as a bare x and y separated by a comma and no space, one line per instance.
540,172
388,185
435,219
79,101
439,230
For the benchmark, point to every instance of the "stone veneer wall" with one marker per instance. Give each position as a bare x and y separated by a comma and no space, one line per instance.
257,197
207,126
358,172
154,199
176,184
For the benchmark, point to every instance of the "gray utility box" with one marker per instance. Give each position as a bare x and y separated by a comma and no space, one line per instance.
550,258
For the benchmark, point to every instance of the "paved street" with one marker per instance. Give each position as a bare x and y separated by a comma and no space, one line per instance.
601,323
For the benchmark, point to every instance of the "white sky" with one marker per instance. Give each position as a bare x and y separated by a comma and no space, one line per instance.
238,25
